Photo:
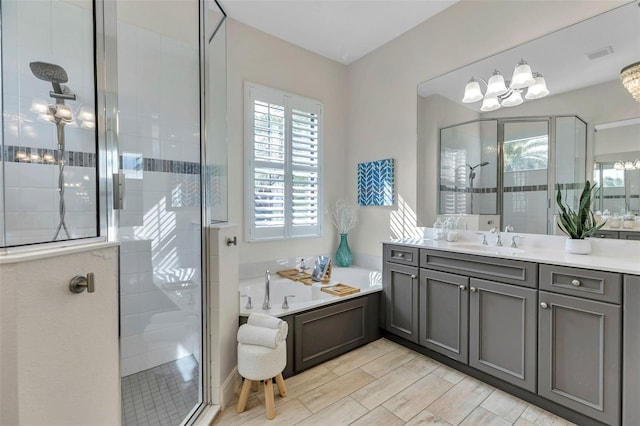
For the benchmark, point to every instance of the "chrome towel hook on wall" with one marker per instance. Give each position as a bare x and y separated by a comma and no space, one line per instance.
78,284
232,241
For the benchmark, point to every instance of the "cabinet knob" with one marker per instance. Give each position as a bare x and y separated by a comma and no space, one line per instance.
473,289
543,305
576,283
400,254
463,288
413,277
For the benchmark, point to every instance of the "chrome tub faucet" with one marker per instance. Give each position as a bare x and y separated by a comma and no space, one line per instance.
266,305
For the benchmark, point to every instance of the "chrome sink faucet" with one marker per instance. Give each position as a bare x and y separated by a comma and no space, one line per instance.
496,231
266,305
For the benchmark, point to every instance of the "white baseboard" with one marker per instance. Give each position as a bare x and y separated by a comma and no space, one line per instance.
230,387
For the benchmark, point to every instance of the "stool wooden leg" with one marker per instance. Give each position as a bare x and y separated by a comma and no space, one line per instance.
255,386
281,387
268,399
244,395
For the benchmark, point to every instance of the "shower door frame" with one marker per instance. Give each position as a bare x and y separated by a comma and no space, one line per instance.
108,163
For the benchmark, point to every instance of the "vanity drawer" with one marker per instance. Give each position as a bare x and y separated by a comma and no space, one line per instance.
401,254
595,285
489,268
605,234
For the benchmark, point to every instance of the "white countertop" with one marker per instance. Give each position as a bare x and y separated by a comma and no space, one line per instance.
607,255
307,296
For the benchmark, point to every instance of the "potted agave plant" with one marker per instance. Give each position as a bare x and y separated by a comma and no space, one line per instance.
579,224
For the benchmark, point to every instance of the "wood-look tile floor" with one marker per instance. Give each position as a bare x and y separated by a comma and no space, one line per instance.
386,384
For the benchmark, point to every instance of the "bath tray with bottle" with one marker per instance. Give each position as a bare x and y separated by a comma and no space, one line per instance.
321,272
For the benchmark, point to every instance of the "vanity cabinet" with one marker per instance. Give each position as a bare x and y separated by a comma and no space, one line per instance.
400,291
579,355
485,318
579,340
444,313
502,331
553,331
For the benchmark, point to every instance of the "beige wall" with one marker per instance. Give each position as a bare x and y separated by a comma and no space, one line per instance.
382,91
263,59
59,360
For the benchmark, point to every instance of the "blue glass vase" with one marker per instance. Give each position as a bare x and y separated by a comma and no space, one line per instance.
343,254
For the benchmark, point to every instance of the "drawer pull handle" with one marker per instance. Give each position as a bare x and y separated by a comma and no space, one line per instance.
463,288
576,283
473,289
543,305
413,277
400,255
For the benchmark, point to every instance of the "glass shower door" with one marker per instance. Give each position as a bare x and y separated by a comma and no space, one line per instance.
160,224
525,153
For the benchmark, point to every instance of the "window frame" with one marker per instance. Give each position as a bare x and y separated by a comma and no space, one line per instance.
290,101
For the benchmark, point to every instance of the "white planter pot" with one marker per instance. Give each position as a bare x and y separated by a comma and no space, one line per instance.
577,246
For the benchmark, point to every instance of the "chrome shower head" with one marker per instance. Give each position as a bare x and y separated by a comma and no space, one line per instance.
52,73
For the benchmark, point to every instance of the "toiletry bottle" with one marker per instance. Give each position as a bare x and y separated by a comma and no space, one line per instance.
438,230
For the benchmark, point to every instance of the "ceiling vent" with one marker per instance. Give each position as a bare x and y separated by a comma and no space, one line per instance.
599,53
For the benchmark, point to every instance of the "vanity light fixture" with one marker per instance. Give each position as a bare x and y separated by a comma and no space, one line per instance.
630,76
506,94
627,165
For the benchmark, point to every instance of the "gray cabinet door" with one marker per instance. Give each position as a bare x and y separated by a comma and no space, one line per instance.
444,313
502,331
324,333
579,355
400,287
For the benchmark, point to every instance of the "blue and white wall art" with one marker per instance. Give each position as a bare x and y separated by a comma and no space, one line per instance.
375,183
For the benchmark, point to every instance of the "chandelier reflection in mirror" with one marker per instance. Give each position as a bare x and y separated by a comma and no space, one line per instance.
506,94
630,76
627,165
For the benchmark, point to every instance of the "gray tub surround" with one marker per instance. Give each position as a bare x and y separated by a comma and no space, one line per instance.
536,321
321,326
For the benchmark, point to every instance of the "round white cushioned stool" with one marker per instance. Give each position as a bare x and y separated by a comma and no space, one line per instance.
259,363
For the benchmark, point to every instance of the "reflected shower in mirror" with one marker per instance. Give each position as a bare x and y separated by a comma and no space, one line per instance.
581,65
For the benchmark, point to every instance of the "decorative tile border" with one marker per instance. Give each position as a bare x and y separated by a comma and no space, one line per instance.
521,188
30,155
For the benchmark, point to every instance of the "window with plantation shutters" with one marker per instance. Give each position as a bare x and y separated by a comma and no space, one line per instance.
283,135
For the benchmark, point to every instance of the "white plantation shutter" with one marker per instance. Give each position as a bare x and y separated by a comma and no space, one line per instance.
283,141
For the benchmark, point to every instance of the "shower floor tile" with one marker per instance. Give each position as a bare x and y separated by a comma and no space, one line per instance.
162,395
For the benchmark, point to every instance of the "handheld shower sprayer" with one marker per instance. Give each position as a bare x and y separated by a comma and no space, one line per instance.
472,176
59,114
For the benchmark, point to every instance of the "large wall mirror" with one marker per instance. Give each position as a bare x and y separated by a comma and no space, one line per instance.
501,166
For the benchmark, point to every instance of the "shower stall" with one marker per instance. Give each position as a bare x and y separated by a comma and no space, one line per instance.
518,164
107,135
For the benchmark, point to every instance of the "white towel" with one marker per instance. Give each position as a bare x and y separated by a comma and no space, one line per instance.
262,320
262,336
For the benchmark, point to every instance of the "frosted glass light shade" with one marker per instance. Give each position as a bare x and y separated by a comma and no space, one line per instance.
630,76
538,89
522,76
514,99
64,112
628,165
618,165
472,92
490,104
495,85
636,164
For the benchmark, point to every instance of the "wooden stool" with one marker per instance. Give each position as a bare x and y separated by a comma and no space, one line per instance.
259,363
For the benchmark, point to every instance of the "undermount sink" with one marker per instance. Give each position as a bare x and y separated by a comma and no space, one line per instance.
486,249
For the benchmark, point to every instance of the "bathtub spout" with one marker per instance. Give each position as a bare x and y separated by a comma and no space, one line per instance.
266,305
